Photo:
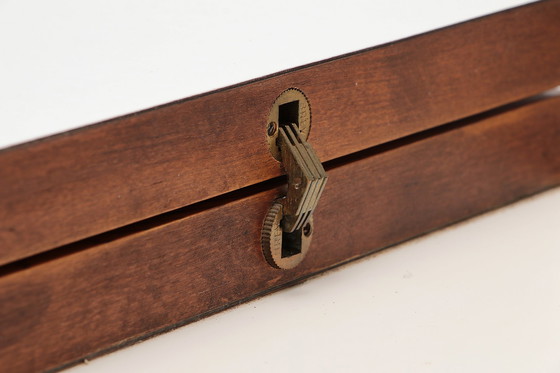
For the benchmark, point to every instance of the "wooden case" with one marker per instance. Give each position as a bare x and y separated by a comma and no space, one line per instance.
130,227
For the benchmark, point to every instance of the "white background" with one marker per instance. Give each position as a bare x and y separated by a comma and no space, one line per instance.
67,63
483,296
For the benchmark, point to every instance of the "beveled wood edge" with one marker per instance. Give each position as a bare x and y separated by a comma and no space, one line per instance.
82,183
89,300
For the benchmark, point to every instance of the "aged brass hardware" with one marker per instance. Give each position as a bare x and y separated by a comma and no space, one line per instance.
288,227
284,250
290,107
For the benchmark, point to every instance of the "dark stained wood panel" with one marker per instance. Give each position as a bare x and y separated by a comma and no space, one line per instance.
85,182
61,309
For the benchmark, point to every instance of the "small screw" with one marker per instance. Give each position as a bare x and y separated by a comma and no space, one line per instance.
272,127
307,230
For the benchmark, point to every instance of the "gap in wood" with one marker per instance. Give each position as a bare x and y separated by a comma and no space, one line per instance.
245,192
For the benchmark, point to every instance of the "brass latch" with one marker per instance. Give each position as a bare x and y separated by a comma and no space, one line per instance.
288,227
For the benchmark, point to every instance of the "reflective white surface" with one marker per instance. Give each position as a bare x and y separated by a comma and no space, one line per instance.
65,64
480,296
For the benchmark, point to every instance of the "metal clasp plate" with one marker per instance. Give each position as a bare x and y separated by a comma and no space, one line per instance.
288,227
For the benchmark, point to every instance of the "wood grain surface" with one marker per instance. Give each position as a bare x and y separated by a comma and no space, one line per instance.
85,182
93,296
